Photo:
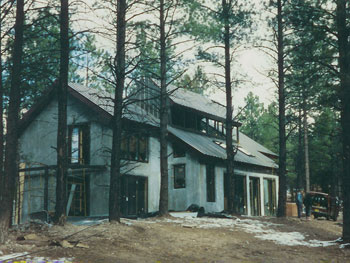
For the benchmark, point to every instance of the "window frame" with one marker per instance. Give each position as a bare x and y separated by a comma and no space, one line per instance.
211,183
125,142
83,143
176,185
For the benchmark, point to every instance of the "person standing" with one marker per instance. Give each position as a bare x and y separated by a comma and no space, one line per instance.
299,202
308,205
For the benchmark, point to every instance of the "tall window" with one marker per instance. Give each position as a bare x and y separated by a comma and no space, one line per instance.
148,97
210,183
179,176
134,147
79,144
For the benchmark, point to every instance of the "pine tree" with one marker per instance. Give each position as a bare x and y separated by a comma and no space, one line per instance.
62,94
282,194
342,19
115,177
11,149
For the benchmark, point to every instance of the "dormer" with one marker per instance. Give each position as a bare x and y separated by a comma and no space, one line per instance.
195,112
187,110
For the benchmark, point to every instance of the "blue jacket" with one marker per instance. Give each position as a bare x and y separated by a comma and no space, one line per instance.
299,199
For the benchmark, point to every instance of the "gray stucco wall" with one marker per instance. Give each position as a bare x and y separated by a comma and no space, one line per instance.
195,191
37,148
38,142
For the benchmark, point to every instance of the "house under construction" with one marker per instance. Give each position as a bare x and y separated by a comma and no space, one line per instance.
196,161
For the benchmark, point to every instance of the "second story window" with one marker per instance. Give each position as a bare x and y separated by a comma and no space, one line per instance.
134,147
79,144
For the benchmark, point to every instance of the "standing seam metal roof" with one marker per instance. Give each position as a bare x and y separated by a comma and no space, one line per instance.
196,101
207,146
202,143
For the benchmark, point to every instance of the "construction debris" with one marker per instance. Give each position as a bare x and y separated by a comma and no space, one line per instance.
65,244
32,237
82,245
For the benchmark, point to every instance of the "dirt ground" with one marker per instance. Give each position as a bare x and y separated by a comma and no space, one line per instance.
169,240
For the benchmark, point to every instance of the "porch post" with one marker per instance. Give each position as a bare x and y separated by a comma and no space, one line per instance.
262,193
249,213
46,190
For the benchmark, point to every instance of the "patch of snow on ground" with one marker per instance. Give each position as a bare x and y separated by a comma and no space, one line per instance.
286,238
345,245
202,222
318,243
183,214
260,229
88,222
126,221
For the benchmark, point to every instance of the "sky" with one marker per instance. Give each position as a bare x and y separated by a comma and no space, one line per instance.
255,64
252,62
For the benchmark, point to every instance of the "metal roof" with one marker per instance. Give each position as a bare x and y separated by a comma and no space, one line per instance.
206,145
202,143
196,101
99,97
256,150
104,100
252,145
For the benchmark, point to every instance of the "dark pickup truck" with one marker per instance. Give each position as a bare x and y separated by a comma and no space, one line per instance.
323,205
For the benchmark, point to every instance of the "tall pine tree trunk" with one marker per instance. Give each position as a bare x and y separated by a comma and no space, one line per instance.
115,177
11,149
1,111
306,147
344,66
163,200
300,150
229,126
62,89
282,194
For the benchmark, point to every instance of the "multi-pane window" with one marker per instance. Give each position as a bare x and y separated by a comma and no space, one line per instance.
179,176
210,183
79,144
149,99
134,147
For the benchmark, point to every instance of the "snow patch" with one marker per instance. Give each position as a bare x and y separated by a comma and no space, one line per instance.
127,222
183,214
260,229
346,245
89,222
287,239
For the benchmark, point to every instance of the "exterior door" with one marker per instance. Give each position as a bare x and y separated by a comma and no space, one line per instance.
240,193
254,187
77,196
134,196
270,197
